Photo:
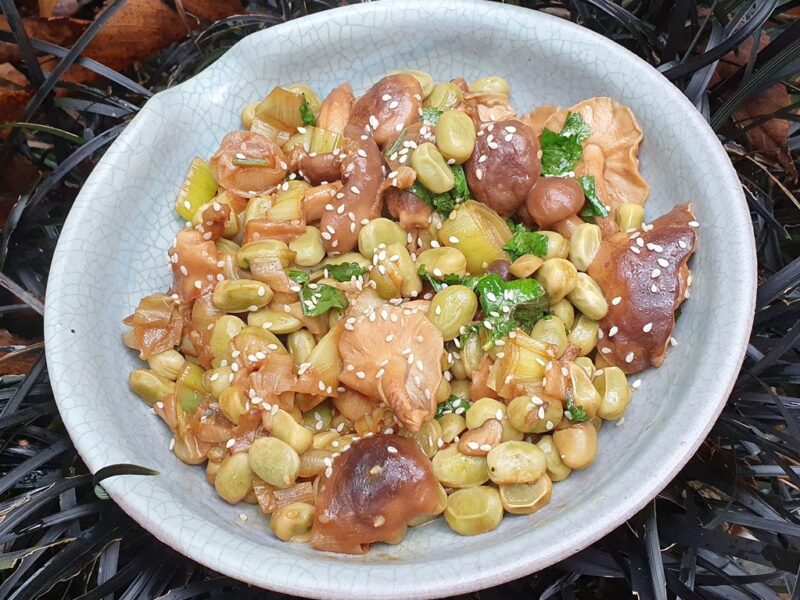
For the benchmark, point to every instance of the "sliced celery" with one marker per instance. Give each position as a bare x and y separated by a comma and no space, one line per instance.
198,188
324,140
283,106
270,128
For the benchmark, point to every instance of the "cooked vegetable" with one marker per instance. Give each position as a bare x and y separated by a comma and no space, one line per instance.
234,479
241,295
494,84
292,523
444,96
478,233
577,445
379,231
614,392
630,216
455,136
558,277
526,498
561,151
452,309
556,469
473,511
524,242
274,461
150,386
199,187
588,298
456,470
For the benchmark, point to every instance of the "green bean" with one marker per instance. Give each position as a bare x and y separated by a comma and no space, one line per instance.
278,322
285,428
584,244
300,344
525,266
460,388
457,470
451,309
252,340
455,135
558,277
212,468
452,425
577,445
484,409
473,511
241,295
630,216
444,96
264,249
232,403
428,438
551,330
189,389
534,414
557,245
471,354
379,231
584,334
225,329
556,469
612,385
275,461
308,249
167,364
493,84
431,168
526,498
292,523
585,363
217,380
515,462
234,479
150,386
458,370
584,395
443,261
564,311
588,298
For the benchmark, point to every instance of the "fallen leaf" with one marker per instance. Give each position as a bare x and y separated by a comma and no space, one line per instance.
12,105
10,77
136,30
212,10
62,31
17,364
771,137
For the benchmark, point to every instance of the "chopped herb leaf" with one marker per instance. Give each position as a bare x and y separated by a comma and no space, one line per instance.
574,413
439,283
306,113
320,299
445,203
509,304
431,115
525,242
453,404
345,271
560,151
249,162
317,298
300,277
594,207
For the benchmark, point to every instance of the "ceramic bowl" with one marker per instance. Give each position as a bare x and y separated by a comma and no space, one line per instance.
113,250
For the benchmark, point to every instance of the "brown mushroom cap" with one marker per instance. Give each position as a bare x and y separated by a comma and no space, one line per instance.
504,165
194,260
374,489
392,353
360,196
645,279
388,106
553,199
334,112
245,180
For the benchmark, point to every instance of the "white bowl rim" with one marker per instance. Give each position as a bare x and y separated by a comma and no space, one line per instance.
492,574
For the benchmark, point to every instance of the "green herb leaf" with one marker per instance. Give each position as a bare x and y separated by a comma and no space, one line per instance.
574,125
431,115
300,277
525,242
439,283
509,304
575,413
445,203
306,113
560,151
594,207
453,404
345,271
249,162
321,298
461,189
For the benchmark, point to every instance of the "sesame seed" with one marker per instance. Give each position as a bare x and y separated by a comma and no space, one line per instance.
198,284
655,273
479,174
693,224
616,300
640,243
635,385
361,374
230,443
682,244
648,327
635,250
386,97
375,470
605,350
391,449
398,127
473,445
393,104
328,471
663,262
453,239
613,331
654,288
629,357
378,521
373,121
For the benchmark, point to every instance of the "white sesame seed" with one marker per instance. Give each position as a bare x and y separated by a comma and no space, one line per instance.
635,385
654,288
613,331
605,350
230,443
373,121
693,224
663,262
453,239
391,449
629,357
635,250
648,327
682,244
655,273
616,300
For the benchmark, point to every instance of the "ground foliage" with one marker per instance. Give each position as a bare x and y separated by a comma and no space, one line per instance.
726,527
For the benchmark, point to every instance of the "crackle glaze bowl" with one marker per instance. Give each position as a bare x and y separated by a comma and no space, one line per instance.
113,250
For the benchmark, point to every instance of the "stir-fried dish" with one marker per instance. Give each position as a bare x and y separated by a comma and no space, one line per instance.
409,304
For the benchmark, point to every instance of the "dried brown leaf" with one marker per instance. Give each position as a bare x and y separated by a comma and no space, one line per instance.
11,78
771,137
60,30
211,10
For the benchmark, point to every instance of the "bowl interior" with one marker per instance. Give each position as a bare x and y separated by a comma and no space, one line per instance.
114,250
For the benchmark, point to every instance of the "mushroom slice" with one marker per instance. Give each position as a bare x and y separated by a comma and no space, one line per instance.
248,163
334,112
388,106
538,118
371,493
645,278
407,208
157,324
195,263
359,200
392,353
617,135
487,107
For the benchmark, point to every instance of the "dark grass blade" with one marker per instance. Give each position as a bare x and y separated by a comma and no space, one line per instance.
35,74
